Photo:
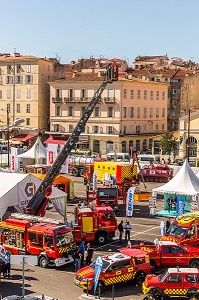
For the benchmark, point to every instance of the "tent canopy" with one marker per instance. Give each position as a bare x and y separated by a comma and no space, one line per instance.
37,151
185,182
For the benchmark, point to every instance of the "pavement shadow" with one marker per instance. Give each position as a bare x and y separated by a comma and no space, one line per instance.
13,288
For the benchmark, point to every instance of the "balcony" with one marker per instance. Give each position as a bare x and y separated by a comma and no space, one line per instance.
56,100
109,100
77,99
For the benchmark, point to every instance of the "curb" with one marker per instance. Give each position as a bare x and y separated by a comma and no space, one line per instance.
91,297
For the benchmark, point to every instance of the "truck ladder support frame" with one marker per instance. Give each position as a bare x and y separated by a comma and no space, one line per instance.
37,204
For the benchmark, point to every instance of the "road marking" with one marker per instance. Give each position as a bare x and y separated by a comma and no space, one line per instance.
146,230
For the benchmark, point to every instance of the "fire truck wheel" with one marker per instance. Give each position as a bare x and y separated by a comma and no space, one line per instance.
75,172
194,263
155,294
140,278
81,172
43,262
101,238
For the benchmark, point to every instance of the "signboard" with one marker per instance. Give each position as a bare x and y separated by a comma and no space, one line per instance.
98,268
51,153
26,191
129,201
14,159
24,259
95,179
180,205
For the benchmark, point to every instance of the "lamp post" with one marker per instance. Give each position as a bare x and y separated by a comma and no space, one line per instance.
8,136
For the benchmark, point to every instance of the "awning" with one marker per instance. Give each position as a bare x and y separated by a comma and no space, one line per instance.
56,140
22,137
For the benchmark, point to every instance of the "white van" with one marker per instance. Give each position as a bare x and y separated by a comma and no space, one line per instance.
148,159
119,156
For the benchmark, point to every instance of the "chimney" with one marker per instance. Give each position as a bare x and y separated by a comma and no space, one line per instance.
17,54
6,55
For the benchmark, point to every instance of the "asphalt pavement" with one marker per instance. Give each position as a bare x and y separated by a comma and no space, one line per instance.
58,283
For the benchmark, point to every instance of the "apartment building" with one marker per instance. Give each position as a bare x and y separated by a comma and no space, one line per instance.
24,92
130,112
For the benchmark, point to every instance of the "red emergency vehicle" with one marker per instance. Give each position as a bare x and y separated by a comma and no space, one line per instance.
50,240
157,173
94,224
184,230
116,268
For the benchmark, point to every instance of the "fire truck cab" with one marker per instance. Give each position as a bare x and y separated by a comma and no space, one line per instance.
46,238
116,268
94,224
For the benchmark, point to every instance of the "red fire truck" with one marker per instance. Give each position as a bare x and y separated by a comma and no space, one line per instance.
157,173
49,239
94,224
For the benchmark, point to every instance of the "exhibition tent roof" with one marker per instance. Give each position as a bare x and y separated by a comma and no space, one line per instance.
185,182
37,151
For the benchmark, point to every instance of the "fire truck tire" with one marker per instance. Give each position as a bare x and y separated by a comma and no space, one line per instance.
43,262
75,172
101,238
155,294
194,263
140,277
81,172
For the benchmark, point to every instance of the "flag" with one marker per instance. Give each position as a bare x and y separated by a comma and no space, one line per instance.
180,205
14,160
95,179
51,153
97,271
129,201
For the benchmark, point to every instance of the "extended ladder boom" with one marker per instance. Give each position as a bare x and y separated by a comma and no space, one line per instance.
38,202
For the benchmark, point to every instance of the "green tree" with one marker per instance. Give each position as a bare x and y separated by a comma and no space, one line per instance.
168,143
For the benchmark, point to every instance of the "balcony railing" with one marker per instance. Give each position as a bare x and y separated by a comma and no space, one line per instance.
56,100
77,99
109,99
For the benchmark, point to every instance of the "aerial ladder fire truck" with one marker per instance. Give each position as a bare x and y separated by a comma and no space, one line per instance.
50,240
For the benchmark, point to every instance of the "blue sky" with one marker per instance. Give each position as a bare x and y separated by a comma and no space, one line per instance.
107,28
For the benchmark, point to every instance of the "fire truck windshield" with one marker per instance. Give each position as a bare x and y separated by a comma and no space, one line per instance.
107,192
163,276
105,264
177,231
63,239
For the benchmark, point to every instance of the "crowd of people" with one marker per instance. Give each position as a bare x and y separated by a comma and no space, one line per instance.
82,254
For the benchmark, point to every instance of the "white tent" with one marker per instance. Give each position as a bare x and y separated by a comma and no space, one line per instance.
185,182
37,151
17,189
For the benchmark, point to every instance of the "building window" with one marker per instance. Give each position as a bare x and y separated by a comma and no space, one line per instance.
163,95
9,69
124,112
83,94
8,107
18,93
132,112
175,91
162,126
18,79
145,95
138,130
109,129
110,112
70,94
132,94
28,68
9,94
18,69
1,94
163,112
27,121
18,109
56,128
151,95
138,94
138,112
70,128
9,79
124,93
157,95
28,93
151,112
157,112
28,108
58,111
29,79
145,112
96,112
95,129
70,111
157,127
124,130
83,110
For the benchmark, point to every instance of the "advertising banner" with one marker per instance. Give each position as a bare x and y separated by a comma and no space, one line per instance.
129,201
180,205
51,153
26,191
13,160
98,268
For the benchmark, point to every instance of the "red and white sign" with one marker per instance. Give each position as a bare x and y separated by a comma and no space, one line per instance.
51,154
13,160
